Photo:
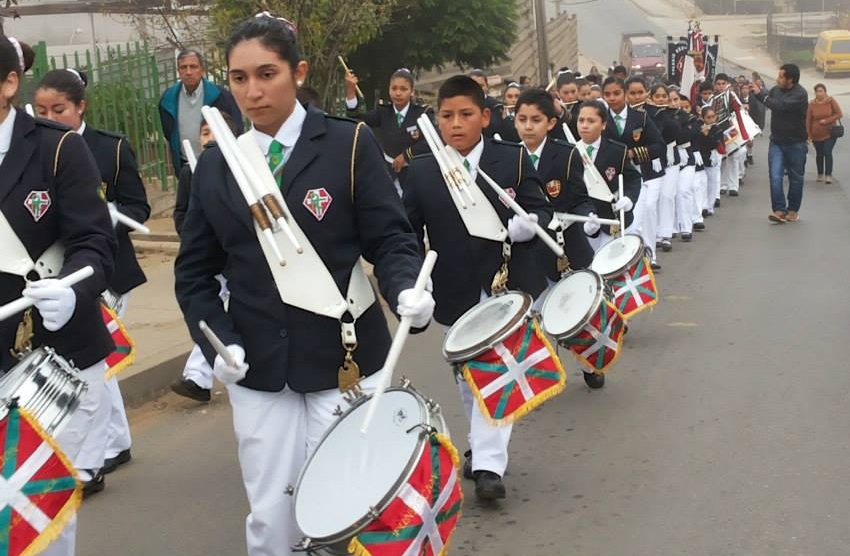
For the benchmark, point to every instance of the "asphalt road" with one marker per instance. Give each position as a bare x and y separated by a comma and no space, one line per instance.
722,430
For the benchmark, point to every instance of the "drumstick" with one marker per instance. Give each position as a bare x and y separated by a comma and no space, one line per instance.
569,133
567,217
348,70
24,303
437,148
217,344
514,206
190,155
127,221
398,342
622,212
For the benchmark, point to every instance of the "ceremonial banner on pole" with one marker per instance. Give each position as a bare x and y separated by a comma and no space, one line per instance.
516,376
421,519
39,491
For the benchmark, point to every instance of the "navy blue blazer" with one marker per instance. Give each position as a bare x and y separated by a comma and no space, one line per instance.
642,137
122,185
466,265
49,192
562,172
612,159
287,346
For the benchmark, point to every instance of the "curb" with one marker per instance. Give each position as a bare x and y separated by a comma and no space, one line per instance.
150,383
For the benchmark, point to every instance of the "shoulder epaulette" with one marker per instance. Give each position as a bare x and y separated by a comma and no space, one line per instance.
422,156
341,119
559,141
617,143
507,143
112,134
51,124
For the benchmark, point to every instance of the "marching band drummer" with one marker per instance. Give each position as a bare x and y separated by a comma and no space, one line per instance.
464,272
665,118
289,361
48,194
61,97
394,122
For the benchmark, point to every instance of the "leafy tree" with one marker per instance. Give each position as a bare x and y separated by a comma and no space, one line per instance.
326,29
427,34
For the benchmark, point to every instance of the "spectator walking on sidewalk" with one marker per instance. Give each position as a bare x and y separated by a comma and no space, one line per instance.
788,103
824,112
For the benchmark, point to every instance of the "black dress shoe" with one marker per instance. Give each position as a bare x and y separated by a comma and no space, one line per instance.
666,245
750,159
716,203
488,486
95,484
188,389
112,464
705,213
655,266
733,193
594,380
699,226
467,466
687,237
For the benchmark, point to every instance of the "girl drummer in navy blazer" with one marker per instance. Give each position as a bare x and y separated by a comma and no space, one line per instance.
48,194
61,97
285,376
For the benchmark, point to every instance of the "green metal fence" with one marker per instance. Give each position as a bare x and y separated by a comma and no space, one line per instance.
125,84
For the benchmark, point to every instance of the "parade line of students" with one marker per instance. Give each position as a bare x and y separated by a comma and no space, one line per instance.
368,187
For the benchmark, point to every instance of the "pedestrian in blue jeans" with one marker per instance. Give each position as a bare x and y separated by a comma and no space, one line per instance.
788,103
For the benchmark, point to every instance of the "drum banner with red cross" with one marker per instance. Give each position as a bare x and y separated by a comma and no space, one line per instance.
599,343
39,491
424,514
517,375
635,289
125,350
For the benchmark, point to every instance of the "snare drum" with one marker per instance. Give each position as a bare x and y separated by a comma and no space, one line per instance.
46,385
624,264
505,358
392,491
578,315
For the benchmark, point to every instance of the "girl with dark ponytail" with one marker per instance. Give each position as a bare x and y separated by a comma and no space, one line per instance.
48,195
61,97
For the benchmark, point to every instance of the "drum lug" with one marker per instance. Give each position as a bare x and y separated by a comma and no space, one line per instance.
433,406
405,383
374,513
289,490
303,546
338,412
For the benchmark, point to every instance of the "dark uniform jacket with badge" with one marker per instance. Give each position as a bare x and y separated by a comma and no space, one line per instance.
285,345
642,137
707,143
467,264
395,139
562,172
120,184
666,122
48,193
612,159
688,128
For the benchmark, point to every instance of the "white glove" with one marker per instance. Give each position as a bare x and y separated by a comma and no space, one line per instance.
715,158
698,158
624,204
420,309
592,226
113,210
656,164
227,374
55,302
522,229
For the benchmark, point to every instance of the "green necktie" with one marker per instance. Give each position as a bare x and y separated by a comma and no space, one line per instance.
466,164
276,159
619,121
534,159
399,117
590,151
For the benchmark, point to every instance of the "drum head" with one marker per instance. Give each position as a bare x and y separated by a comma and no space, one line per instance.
617,255
488,322
571,303
349,473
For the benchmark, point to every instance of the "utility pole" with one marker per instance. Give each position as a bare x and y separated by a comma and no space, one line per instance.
542,40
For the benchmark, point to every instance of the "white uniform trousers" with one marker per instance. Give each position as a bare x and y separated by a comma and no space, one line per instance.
275,432
712,174
741,157
729,173
197,369
71,439
118,433
489,443
646,212
667,202
685,199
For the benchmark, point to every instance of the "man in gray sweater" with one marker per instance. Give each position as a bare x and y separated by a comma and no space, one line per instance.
788,102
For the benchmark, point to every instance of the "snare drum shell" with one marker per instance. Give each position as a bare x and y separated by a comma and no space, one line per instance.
602,261
519,303
554,298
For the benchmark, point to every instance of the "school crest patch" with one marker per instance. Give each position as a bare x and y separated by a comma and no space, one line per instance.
553,188
318,201
610,173
413,131
38,203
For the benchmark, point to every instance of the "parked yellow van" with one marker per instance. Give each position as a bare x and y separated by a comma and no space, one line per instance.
832,52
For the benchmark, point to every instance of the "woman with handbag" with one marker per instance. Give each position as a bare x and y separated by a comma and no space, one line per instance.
824,127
